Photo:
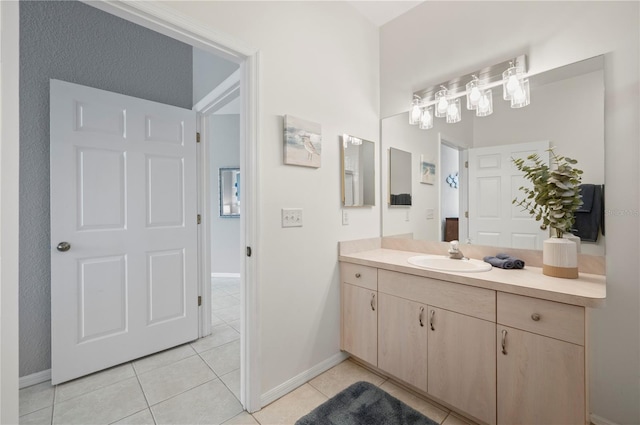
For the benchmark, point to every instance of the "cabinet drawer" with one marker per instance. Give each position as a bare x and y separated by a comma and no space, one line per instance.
549,318
469,300
363,276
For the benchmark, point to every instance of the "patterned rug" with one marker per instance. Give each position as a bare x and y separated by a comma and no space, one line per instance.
364,404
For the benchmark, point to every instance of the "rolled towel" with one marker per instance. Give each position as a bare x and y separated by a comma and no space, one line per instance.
499,262
518,263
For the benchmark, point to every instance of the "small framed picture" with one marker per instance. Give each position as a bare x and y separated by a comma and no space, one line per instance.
427,171
302,142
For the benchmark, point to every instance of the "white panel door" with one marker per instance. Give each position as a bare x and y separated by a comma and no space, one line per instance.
493,184
123,197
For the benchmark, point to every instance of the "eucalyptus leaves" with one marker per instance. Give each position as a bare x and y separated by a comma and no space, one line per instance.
555,195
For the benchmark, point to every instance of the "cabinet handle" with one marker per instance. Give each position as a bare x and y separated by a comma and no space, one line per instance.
535,317
504,342
433,313
373,301
358,275
420,316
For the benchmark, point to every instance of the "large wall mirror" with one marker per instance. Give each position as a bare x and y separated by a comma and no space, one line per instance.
566,111
229,183
358,172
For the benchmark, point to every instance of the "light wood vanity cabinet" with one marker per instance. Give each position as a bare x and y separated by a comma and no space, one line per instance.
359,312
461,363
446,339
541,365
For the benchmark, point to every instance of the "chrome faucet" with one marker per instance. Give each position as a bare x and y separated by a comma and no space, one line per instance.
454,251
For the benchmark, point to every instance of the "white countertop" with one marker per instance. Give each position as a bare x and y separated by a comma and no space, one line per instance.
589,290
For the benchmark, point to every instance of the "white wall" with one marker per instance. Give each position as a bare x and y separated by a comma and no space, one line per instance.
208,72
224,139
552,34
318,61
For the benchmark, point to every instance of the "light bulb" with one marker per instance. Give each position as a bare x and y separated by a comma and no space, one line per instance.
415,113
483,104
442,105
512,84
519,94
453,110
474,96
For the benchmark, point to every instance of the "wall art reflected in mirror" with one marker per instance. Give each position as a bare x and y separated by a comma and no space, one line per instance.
229,184
399,177
358,172
566,111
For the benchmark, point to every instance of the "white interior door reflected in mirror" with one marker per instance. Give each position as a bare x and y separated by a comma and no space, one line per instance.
358,172
229,192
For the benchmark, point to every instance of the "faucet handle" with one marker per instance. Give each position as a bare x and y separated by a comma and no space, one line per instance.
454,245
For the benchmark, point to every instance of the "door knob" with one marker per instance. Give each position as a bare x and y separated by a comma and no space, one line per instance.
63,246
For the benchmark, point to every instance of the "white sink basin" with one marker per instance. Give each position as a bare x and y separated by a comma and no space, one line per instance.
445,264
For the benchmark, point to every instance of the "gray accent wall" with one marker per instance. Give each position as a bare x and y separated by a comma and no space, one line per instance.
74,42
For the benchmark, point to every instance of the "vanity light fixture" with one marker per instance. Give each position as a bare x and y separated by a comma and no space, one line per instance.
443,100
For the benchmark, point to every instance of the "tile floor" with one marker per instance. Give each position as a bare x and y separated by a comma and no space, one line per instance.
196,383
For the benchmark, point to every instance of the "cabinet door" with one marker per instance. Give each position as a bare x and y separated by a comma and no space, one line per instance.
360,323
462,362
540,379
402,339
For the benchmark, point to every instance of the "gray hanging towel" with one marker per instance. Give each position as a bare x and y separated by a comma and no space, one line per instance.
590,215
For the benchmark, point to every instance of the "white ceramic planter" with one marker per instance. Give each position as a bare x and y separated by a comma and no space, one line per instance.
560,258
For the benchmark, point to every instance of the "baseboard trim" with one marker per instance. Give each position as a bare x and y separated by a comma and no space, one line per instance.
300,379
597,420
34,378
225,274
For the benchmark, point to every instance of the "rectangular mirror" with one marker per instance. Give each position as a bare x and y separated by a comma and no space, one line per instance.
358,172
399,177
566,111
229,183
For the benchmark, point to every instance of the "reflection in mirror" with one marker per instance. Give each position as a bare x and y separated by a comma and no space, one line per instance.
566,111
358,172
229,183
399,177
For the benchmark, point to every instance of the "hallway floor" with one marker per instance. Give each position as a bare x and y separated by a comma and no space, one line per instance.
195,383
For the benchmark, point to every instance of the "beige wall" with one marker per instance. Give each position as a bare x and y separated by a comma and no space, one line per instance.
318,61
416,52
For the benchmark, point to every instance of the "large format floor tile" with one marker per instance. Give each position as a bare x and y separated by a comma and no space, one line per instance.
244,418
36,397
220,335
232,381
437,413
167,381
40,417
94,381
223,359
288,409
210,403
341,376
102,406
163,358
143,417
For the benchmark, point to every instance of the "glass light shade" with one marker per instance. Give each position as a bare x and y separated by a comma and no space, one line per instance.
426,120
520,97
485,104
415,112
511,79
454,114
442,104
473,94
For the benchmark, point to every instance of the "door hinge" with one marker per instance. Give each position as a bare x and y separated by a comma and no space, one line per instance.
466,163
466,214
248,251
198,137
199,300
199,219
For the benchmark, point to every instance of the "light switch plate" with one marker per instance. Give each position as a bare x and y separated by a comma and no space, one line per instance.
430,213
292,217
345,217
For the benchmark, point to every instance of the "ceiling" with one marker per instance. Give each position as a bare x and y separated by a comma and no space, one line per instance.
381,12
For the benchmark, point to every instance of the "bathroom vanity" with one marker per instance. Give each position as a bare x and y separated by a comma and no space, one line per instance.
502,346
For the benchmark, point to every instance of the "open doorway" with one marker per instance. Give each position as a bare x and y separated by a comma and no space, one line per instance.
453,190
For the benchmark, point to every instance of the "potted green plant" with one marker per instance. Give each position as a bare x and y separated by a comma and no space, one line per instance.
553,199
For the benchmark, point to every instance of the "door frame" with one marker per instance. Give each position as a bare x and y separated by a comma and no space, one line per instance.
208,105
166,21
